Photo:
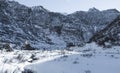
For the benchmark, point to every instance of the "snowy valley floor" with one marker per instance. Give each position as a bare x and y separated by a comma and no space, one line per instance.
87,59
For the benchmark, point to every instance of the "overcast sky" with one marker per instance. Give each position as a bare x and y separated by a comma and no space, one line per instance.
70,6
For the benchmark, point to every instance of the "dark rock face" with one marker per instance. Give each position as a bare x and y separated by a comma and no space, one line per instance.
6,47
27,47
109,35
45,29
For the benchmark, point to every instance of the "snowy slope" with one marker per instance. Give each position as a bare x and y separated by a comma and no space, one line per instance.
90,59
110,35
14,62
77,64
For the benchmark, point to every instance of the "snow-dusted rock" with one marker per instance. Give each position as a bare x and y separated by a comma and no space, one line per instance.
109,35
19,23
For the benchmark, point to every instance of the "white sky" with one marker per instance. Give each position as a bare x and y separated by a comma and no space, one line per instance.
70,6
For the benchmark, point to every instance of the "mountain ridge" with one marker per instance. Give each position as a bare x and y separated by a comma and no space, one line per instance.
42,28
110,35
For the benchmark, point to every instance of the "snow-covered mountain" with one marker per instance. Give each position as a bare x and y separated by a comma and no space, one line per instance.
94,20
29,28
110,35
45,29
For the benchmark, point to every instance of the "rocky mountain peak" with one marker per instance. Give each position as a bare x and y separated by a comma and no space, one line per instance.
93,10
39,8
50,30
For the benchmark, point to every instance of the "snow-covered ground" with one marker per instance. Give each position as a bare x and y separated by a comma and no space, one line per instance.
14,62
88,59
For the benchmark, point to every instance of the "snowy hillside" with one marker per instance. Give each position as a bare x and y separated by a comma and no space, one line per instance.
110,35
14,62
88,59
